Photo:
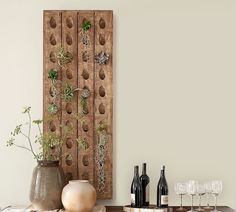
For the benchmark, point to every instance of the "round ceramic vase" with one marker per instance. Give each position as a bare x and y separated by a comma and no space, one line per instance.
78,196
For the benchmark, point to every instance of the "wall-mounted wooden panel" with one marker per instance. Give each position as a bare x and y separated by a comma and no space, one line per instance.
86,38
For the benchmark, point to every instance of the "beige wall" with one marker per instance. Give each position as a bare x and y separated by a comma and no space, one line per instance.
174,90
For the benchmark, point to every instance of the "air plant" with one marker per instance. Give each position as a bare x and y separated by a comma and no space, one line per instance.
68,92
83,104
101,58
52,108
64,57
83,144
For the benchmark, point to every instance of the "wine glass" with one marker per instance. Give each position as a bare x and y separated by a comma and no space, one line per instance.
192,190
208,188
181,189
216,190
200,192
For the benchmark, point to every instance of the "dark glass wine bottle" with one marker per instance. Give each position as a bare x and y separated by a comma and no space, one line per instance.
162,190
136,190
145,185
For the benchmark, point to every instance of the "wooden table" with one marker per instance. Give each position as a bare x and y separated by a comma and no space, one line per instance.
171,208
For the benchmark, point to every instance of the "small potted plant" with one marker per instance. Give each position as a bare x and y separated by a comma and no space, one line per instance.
48,178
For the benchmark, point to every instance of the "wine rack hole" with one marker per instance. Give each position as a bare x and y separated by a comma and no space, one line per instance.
69,143
52,57
101,108
102,23
52,126
85,160
68,160
85,176
102,74
102,92
53,40
102,40
69,39
85,74
52,23
68,108
69,74
69,22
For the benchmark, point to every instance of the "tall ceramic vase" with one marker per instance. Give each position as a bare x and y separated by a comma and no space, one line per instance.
47,183
78,196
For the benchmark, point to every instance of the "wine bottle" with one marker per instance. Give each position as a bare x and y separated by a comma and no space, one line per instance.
162,190
145,185
136,190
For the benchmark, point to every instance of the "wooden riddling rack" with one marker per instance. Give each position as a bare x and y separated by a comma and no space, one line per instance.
65,29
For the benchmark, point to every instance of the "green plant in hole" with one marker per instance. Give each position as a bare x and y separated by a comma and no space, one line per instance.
64,57
50,143
52,74
83,144
101,127
68,92
86,25
52,108
83,104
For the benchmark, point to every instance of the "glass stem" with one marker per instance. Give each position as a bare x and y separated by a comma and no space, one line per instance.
181,200
192,202
200,199
207,195
215,202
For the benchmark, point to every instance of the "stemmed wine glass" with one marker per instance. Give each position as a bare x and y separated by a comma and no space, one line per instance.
181,189
216,190
200,192
208,188
192,190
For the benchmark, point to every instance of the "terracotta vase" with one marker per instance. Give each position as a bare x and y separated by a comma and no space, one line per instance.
47,183
78,196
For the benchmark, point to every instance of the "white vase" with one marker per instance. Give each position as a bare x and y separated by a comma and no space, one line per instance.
78,196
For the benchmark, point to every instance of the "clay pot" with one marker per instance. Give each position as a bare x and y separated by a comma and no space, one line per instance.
78,196
47,183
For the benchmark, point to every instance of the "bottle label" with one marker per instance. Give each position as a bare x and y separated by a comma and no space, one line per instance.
164,199
132,199
147,193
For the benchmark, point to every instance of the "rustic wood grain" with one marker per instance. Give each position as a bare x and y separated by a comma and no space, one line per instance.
81,74
51,27
69,108
106,101
86,80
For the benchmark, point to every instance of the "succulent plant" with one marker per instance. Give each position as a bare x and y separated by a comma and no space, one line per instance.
102,58
52,74
52,108
85,93
86,25
68,92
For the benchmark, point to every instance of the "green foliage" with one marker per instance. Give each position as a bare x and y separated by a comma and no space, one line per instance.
101,127
83,144
64,57
48,141
38,121
86,25
52,108
68,92
52,74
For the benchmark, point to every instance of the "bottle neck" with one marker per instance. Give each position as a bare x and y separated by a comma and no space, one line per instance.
162,173
144,169
136,171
